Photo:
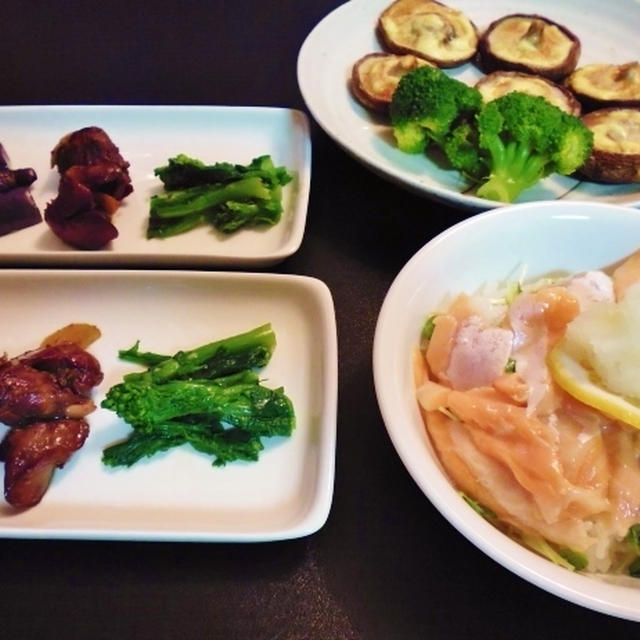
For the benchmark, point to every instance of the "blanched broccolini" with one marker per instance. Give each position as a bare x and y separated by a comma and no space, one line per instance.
210,397
249,405
226,445
249,350
228,196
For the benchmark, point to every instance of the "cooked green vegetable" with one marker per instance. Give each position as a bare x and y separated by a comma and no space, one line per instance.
210,397
426,105
577,560
226,445
525,138
228,196
566,558
428,328
633,538
145,404
505,146
252,349
480,509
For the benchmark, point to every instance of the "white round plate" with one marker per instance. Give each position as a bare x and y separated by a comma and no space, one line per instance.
607,31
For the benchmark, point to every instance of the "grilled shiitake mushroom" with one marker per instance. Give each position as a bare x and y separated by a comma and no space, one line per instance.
606,85
616,145
499,83
374,77
429,30
529,43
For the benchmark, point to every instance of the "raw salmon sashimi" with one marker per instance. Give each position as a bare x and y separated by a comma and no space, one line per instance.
547,466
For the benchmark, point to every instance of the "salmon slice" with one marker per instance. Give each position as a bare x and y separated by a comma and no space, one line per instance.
494,486
623,446
627,274
440,345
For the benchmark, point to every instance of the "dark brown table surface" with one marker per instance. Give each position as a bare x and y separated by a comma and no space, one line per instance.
386,565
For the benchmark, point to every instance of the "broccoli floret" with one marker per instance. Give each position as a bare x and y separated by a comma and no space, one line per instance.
525,138
426,105
461,149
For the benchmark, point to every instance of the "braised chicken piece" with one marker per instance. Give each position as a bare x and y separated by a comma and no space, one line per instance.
86,147
32,453
27,394
107,178
77,218
71,366
94,180
44,398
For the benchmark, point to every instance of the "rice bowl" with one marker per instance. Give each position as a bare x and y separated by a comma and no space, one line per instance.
543,238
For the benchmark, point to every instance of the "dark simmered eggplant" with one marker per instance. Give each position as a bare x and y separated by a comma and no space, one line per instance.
616,145
606,85
499,83
430,30
374,77
18,209
531,44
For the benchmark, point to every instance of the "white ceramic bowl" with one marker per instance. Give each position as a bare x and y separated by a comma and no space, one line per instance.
546,237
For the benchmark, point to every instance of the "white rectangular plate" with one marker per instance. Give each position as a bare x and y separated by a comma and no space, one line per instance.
179,495
147,137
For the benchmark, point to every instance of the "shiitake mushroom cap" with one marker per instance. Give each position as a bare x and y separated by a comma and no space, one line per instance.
533,59
498,83
597,86
399,30
616,145
375,76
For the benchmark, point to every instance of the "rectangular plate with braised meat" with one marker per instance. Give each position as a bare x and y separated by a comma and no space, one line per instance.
147,137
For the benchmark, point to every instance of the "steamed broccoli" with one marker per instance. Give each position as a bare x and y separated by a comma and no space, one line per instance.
229,196
427,105
461,149
506,145
210,397
524,138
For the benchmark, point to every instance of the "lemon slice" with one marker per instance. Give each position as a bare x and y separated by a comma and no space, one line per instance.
581,383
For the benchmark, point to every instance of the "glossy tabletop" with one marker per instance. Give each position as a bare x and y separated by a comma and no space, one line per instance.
386,565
